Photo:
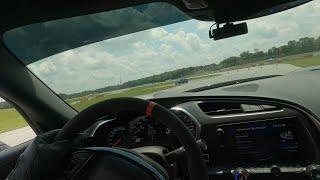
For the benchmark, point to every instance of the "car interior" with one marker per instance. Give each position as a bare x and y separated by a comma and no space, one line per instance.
255,127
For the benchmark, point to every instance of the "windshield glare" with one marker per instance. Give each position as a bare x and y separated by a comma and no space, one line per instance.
180,57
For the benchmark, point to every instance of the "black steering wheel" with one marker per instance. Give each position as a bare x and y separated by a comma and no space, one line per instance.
108,161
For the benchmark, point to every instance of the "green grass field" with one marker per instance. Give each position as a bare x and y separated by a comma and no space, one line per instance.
10,119
136,91
303,62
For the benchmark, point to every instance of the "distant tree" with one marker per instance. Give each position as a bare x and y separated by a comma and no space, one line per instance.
245,55
229,62
317,44
293,46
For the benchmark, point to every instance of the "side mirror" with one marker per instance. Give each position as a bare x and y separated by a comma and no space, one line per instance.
228,30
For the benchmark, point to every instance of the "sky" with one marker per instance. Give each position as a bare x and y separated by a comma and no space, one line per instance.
167,48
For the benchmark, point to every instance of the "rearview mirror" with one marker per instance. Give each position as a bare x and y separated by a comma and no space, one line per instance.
228,30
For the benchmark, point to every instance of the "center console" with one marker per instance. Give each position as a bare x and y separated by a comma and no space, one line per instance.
261,149
259,142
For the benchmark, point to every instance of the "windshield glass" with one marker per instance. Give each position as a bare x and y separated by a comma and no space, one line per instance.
168,51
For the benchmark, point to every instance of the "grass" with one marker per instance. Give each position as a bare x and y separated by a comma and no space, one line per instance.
136,91
303,62
10,119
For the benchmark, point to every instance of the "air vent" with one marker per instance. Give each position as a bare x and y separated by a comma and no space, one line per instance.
227,108
220,108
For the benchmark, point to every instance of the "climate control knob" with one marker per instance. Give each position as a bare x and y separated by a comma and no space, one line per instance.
220,132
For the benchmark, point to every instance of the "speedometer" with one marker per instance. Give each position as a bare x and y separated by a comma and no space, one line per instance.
116,137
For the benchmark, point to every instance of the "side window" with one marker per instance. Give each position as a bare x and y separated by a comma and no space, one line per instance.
14,129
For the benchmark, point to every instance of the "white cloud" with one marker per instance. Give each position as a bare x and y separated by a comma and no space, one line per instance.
45,68
193,41
167,48
203,25
158,33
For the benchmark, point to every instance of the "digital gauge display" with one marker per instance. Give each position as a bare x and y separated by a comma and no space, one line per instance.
265,141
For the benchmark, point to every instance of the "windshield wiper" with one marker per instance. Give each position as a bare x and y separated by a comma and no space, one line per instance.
228,83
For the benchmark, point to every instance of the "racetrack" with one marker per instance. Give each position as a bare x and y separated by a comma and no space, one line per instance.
271,69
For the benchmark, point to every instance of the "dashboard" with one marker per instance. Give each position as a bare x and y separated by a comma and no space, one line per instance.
242,137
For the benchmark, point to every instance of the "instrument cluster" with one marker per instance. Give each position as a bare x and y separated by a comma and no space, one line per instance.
143,131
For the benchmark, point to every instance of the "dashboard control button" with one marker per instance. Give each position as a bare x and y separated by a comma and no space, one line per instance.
220,131
275,171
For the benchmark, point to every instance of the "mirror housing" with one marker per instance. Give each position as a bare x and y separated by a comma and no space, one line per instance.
228,30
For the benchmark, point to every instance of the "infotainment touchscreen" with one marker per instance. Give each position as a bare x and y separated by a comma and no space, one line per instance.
266,141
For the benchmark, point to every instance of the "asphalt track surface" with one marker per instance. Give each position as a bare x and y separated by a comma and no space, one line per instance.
21,135
272,69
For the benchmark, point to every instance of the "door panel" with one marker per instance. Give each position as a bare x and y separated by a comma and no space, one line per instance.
9,157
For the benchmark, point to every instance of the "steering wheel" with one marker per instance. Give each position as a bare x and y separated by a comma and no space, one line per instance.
123,164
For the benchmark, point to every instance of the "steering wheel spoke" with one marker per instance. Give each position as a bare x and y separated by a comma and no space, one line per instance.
115,163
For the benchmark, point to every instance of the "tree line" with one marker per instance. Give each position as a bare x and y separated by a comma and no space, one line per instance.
293,47
5,105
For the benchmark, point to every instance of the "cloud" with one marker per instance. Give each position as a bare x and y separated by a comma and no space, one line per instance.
96,66
167,48
204,25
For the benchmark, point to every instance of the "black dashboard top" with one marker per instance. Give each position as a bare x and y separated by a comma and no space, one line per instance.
300,88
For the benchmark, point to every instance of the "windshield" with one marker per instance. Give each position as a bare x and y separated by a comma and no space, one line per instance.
142,53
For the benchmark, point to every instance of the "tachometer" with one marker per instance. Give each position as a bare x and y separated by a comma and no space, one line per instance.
116,137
